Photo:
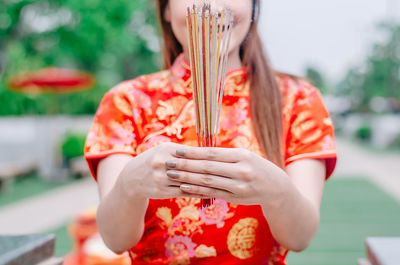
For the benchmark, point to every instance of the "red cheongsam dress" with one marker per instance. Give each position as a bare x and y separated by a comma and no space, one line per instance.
142,113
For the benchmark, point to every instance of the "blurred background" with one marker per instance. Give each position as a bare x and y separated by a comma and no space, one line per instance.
58,58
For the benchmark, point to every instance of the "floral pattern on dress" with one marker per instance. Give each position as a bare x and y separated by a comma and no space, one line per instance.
180,249
216,213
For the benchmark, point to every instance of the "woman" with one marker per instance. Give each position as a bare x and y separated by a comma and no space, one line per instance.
276,149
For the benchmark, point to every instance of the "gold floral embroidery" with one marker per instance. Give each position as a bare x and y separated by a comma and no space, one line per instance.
328,121
203,251
94,148
312,138
155,82
236,85
242,238
184,120
187,222
189,212
182,202
216,214
164,110
301,117
179,249
306,126
170,107
123,105
164,213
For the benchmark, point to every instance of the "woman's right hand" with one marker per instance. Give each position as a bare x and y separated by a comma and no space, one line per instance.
126,184
145,175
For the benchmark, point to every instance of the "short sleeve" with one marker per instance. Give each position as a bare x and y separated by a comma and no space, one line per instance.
113,130
310,133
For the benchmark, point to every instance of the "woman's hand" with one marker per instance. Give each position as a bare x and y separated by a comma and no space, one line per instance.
232,174
145,175
241,177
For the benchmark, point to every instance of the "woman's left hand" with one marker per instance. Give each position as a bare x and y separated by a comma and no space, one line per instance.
232,174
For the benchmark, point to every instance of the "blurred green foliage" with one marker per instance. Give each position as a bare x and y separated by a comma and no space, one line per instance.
364,133
317,78
72,145
398,141
117,40
113,40
378,76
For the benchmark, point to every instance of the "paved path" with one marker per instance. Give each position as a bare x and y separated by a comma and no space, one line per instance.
55,208
50,210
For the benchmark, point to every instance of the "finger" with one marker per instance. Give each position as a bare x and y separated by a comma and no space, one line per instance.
228,155
229,170
170,147
205,180
173,190
205,191
171,183
176,192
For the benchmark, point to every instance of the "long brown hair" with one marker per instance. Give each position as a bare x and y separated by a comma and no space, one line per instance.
265,96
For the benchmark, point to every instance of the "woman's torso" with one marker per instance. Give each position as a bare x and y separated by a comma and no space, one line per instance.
142,113
179,231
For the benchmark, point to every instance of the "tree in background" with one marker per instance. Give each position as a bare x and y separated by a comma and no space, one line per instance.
317,79
379,76
113,40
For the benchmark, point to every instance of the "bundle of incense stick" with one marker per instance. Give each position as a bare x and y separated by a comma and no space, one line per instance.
209,34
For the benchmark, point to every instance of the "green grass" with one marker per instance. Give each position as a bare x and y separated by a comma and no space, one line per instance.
28,186
352,209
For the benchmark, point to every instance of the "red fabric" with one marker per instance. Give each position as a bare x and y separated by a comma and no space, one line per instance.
139,114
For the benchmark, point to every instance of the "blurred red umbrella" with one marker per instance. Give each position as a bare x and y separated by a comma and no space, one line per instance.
55,81
51,80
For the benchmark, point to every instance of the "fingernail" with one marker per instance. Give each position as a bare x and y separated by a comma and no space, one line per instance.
173,174
185,187
171,164
181,152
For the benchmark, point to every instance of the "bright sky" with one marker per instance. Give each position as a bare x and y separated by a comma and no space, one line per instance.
331,35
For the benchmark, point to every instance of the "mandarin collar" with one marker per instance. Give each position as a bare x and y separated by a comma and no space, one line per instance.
235,80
